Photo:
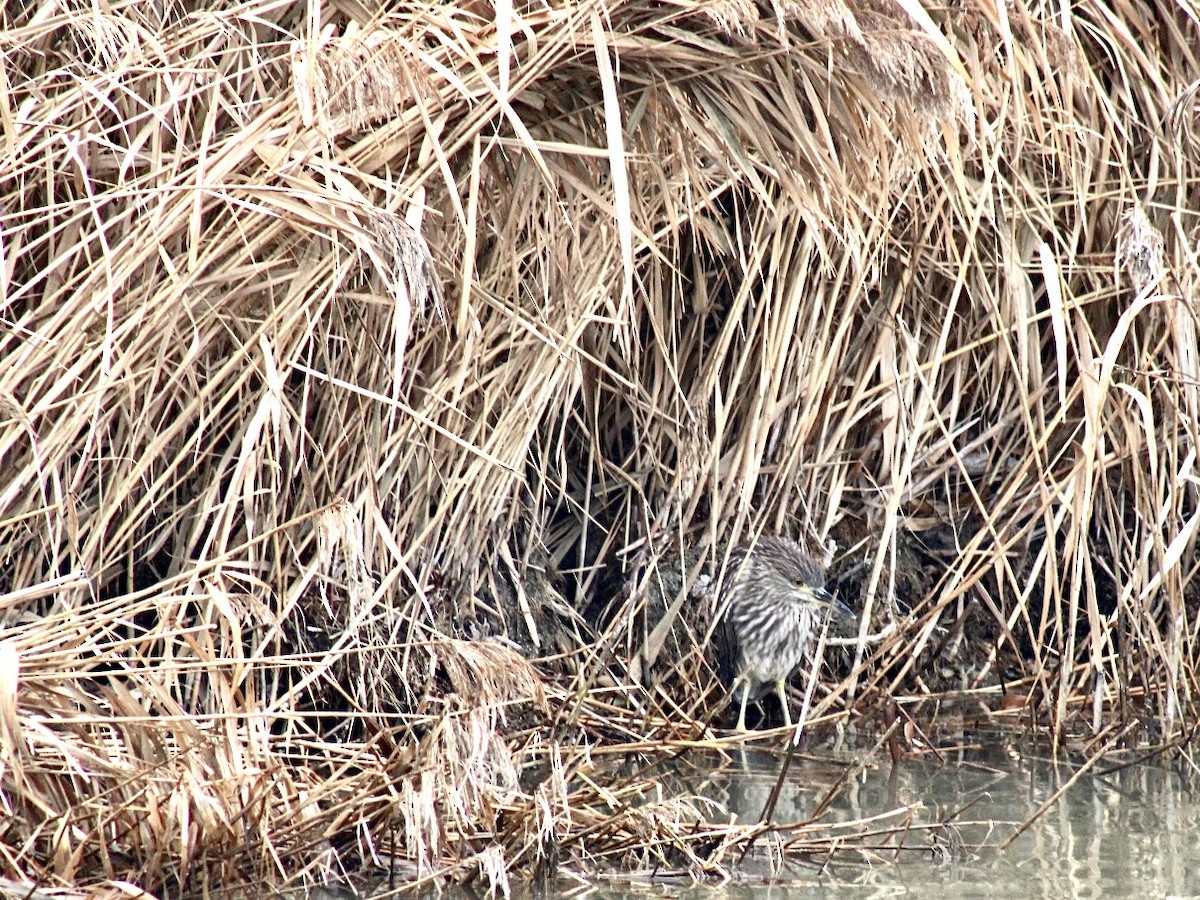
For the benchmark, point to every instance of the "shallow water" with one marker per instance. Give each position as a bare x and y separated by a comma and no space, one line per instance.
1115,832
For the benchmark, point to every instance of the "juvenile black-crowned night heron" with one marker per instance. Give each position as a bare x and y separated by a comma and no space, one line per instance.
775,606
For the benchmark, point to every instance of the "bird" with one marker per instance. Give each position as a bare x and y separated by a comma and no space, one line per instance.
774,605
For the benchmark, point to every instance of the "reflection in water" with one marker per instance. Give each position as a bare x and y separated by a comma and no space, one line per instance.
1113,833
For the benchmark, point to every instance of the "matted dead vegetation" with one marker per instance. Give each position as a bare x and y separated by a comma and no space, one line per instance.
382,388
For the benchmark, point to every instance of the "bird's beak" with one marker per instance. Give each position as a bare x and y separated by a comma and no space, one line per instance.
843,618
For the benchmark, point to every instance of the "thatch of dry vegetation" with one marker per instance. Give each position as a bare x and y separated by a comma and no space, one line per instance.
382,388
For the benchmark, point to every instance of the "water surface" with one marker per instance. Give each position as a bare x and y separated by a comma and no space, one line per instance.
1120,830
1117,831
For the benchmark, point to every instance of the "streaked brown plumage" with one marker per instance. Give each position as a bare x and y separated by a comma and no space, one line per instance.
775,603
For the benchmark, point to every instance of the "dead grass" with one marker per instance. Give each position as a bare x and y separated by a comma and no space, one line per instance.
382,390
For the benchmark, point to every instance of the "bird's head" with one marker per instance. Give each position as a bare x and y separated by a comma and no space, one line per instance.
799,577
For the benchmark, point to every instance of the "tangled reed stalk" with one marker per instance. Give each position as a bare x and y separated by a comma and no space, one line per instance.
382,388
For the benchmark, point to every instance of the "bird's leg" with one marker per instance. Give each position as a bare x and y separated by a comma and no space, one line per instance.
781,690
741,725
